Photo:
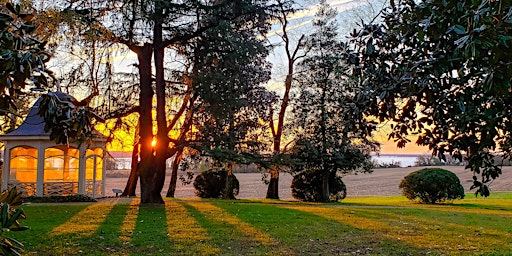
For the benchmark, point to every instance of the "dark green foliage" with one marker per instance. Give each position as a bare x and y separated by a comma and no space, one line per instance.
307,186
60,199
345,158
22,55
432,185
64,120
230,68
22,62
212,184
482,189
9,220
441,69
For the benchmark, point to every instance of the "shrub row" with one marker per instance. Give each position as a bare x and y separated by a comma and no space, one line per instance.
431,185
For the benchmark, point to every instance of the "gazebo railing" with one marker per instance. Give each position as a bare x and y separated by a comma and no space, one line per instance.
59,188
25,188
93,188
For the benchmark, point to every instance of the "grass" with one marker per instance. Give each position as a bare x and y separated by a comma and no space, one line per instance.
357,226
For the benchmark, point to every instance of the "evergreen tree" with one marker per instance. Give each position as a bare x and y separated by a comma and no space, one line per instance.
231,69
327,138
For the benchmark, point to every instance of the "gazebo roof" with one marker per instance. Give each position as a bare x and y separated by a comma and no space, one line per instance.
33,125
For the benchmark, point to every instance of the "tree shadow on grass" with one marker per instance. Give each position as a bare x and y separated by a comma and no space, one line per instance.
106,238
187,235
231,235
454,231
42,219
308,233
150,234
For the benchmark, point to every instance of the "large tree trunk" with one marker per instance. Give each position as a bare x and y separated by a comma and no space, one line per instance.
131,184
174,174
155,178
273,185
228,186
325,186
150,191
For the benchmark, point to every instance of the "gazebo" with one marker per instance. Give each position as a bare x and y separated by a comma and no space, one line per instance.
37,166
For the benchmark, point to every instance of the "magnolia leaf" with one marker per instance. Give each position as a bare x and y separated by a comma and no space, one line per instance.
11,8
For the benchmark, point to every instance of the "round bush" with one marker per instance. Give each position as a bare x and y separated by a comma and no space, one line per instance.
432,185
307,186
212,184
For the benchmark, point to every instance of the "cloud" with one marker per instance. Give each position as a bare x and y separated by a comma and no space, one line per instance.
308,12
339,5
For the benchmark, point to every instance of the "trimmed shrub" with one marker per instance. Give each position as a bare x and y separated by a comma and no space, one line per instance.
212,184
307,186
432,185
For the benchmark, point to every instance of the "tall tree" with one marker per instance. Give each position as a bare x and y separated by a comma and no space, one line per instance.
148,29
229,84
294,50
442,69
328,136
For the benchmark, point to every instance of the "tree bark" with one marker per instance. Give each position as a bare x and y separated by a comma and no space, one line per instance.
146,168
131,184
228,187
325,186
174,174
154,179
273,185
187,123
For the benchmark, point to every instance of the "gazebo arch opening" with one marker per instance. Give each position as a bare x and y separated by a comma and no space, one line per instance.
61,165
94,172
23,171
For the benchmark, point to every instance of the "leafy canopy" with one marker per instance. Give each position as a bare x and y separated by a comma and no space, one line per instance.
22,57
442,70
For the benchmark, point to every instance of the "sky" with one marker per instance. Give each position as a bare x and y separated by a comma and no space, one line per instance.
350,14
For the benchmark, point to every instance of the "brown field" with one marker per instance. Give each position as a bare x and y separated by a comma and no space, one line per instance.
382,182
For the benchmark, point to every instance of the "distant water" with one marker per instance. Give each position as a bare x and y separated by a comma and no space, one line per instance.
405,160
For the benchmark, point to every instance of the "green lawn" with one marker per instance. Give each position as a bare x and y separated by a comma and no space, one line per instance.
357,226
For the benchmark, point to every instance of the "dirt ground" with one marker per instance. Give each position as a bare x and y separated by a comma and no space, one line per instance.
382,182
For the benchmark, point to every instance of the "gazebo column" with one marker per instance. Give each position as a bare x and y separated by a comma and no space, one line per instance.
81,170
6,168
103,173
94,175
40,170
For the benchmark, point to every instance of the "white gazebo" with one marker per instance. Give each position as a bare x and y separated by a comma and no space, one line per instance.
39,167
